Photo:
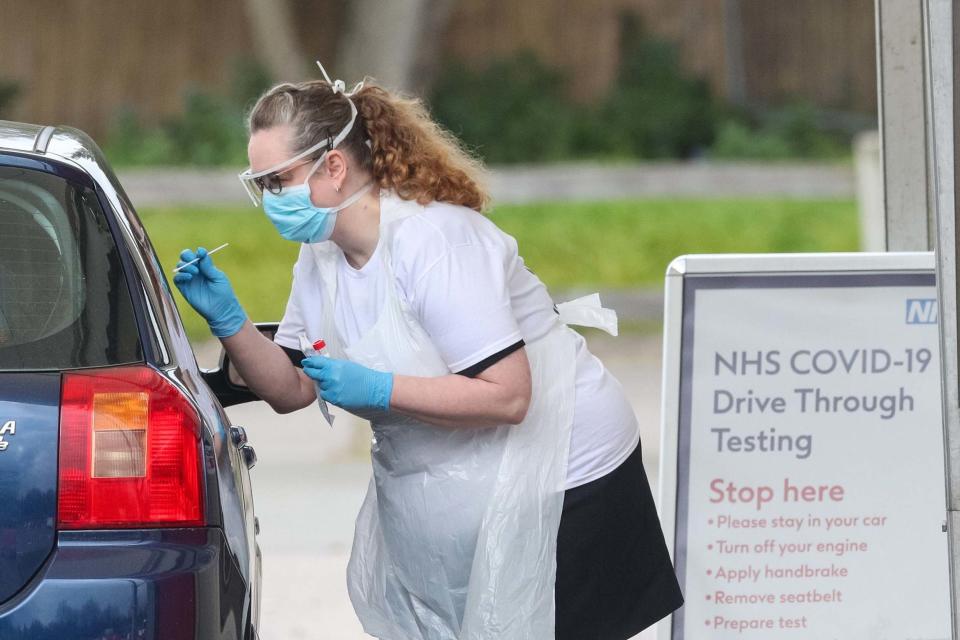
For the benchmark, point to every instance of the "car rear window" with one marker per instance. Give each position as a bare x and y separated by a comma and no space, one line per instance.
64,302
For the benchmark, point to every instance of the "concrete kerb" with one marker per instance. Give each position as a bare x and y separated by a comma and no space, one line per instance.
158,187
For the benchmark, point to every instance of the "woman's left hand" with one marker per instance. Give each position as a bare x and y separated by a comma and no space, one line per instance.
348,384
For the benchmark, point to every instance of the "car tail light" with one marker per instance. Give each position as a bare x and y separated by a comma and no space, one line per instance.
129,451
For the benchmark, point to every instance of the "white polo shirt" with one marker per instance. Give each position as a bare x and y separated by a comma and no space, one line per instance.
469,288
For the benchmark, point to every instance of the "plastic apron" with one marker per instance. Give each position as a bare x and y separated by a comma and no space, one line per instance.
456,538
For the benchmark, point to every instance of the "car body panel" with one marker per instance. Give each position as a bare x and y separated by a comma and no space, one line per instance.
29,424
160,584
71,154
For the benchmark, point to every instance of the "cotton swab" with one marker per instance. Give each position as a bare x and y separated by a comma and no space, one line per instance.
211,252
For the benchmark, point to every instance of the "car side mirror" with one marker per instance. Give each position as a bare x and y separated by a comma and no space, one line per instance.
226,382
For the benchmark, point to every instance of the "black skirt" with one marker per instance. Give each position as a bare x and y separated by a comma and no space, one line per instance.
614,575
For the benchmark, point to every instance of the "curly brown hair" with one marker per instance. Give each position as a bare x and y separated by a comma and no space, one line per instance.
408,152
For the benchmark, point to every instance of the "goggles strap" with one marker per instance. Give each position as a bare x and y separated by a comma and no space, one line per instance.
338,85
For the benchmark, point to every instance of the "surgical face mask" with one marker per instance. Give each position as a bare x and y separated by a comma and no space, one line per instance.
297,218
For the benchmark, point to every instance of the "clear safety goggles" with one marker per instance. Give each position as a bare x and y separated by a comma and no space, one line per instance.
256,182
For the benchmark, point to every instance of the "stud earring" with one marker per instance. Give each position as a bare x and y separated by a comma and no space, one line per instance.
338,188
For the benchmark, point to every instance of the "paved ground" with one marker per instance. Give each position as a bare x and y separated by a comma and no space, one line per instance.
310,480
568,182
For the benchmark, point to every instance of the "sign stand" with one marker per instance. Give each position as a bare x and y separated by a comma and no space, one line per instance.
802,456
941,65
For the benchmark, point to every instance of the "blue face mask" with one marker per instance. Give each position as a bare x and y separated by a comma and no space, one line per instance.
295,216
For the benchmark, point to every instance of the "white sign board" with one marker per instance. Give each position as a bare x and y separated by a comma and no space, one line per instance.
802,480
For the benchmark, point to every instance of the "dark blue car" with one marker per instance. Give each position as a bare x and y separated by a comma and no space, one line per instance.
125,503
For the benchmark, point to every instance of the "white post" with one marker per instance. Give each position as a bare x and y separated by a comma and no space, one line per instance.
942,63
866,164
909,224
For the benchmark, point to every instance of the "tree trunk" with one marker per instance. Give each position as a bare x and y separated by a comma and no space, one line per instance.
275,40
396,42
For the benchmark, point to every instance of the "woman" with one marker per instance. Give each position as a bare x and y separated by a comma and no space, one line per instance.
499,442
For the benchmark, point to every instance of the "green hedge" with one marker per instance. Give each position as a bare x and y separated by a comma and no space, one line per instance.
517,109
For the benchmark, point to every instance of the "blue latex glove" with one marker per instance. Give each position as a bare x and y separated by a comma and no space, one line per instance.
348,384
208,291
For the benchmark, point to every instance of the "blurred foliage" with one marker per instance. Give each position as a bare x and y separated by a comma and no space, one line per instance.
785,133
210,131
9,92
517,109
514,110
627,243
654,109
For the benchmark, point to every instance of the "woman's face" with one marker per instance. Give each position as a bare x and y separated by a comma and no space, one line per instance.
270,147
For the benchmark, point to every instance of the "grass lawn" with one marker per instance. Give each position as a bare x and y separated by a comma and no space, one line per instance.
625,244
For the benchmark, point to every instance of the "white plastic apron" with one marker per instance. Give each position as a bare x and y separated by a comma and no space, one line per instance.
456,539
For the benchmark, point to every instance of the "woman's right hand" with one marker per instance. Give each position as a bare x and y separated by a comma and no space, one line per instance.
209,292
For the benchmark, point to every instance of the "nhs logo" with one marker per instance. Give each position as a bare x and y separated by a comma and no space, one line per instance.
921,311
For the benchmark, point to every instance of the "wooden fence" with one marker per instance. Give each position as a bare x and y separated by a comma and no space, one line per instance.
79,61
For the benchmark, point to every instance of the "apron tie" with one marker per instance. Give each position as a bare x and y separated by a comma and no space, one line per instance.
586,311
